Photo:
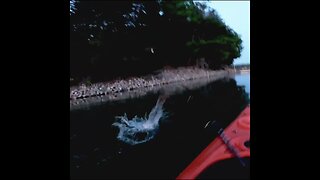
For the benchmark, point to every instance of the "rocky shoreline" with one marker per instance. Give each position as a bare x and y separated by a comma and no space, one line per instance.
110,89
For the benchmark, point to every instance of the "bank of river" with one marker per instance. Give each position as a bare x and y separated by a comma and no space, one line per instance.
187,77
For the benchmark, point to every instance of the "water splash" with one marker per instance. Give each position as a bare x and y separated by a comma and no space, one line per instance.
140,129
73,6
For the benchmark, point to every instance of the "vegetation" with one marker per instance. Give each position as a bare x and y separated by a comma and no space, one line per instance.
115,39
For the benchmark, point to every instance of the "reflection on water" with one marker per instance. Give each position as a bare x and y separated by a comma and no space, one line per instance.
244,80
96,151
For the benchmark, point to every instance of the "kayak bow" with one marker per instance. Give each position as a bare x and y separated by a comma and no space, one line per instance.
238,133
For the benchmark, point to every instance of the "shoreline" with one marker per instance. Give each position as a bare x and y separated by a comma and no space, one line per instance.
119,88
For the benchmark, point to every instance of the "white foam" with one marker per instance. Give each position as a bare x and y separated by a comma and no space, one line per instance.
140,129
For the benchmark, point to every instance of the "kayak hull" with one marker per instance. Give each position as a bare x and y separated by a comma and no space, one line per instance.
238,132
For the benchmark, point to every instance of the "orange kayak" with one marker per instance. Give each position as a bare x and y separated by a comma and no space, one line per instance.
238,133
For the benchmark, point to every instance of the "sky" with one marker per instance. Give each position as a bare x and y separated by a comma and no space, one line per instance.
236,14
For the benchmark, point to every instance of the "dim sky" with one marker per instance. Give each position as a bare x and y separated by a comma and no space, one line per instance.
236,14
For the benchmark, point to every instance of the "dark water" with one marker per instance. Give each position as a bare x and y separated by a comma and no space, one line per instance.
95,151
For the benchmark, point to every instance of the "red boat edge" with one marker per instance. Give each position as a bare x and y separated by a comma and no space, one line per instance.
238,132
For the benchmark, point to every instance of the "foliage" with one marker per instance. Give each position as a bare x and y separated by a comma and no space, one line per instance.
122,38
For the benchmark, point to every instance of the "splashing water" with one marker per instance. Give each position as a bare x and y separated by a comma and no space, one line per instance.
139,130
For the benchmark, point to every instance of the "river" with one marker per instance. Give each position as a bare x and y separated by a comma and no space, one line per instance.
157,135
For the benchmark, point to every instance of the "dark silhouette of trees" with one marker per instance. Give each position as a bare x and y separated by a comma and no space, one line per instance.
111,39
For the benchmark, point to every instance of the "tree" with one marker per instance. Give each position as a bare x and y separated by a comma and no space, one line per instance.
122,38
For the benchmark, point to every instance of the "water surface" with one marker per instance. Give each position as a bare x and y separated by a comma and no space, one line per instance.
97,152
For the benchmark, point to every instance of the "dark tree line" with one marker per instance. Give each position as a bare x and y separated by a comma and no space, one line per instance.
112,39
